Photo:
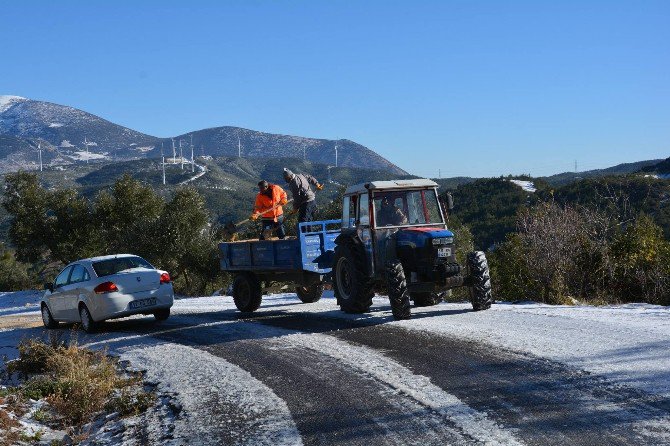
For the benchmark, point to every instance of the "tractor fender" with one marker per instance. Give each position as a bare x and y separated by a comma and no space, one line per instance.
350,235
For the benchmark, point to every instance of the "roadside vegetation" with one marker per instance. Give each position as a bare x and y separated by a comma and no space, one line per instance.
598,241
71,385
50,228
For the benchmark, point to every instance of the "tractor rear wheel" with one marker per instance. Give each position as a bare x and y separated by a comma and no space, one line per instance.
247,293
353,289
397,289
309,294
480,290
426,299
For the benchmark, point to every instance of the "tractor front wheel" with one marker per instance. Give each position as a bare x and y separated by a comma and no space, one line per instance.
480,290
397,289
247,293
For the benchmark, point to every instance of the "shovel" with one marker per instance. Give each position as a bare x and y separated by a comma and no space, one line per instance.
231,228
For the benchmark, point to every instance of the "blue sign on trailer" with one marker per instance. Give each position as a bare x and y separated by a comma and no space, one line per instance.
311,251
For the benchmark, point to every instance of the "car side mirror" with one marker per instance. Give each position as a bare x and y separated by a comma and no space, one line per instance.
49,286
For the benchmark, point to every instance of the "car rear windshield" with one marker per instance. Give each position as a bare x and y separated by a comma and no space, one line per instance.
113,266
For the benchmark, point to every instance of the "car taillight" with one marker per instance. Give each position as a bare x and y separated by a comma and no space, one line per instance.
105,287
165,278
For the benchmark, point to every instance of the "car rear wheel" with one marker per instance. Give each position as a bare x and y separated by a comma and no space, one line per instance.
162,314
309,294
247,292
87,322
47,319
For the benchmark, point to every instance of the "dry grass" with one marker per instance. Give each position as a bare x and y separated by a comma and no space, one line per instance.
76,382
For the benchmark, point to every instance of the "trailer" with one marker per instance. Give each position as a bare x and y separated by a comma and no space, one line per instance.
302,263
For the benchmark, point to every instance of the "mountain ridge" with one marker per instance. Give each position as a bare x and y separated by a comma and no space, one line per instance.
68,135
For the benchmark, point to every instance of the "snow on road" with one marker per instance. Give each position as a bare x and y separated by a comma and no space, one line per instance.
206,386
627,345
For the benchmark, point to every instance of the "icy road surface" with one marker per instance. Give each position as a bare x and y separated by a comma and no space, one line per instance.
295,373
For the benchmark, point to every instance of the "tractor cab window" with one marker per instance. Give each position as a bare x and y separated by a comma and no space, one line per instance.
406,208
349,211
364,212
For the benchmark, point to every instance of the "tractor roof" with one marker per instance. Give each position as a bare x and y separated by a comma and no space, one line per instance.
392,184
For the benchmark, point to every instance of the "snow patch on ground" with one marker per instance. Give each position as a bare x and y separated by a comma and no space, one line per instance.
528,186
20,302
83,156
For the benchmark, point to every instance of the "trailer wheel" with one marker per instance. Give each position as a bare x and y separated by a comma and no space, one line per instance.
309,294
247,292
480,290
426,299
397,289
353,289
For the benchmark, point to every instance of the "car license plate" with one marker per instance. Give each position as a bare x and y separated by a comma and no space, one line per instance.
143,303
443,252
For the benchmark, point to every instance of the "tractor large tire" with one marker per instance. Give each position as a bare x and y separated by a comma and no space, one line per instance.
353,289
426,299
397,289
480,290
247,293
309,294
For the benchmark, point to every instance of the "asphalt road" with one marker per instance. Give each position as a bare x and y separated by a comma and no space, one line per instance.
367,381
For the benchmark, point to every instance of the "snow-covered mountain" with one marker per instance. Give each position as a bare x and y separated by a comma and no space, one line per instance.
70,135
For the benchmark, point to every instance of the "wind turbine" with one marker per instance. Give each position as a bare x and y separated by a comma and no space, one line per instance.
39,150
335,154
181,154
86,144
174,153
163,163
239,146
192,163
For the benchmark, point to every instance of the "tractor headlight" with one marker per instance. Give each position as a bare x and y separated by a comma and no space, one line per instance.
443,241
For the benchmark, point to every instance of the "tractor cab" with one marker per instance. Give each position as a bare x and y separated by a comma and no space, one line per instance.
394,234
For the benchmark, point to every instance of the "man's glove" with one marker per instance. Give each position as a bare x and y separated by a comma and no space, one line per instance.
319,186
253,217
283,201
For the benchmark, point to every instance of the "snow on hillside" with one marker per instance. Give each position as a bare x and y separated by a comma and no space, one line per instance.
528,186
7,101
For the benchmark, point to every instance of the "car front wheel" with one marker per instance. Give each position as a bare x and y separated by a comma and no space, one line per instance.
47,319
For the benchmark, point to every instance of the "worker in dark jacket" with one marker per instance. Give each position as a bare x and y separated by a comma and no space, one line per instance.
303,196
268,206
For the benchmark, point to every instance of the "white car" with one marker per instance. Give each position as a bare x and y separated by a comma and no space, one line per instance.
93,290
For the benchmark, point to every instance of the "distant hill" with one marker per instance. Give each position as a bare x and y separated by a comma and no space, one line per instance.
660,169
69,135
620,169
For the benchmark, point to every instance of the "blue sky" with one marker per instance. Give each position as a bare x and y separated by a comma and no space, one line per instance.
476,88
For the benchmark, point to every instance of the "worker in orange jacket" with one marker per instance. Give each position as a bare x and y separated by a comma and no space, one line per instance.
268,207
